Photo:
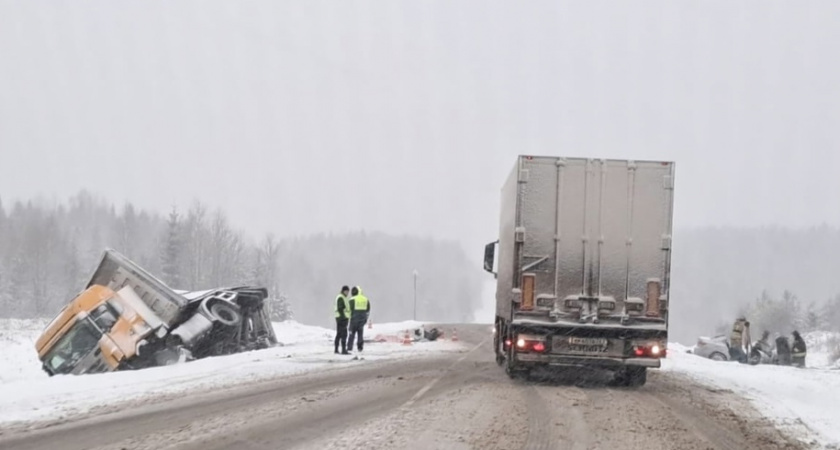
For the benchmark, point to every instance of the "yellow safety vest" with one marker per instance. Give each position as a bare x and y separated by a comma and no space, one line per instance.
360,303
346,306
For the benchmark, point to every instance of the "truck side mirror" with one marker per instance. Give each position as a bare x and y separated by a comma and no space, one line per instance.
490,256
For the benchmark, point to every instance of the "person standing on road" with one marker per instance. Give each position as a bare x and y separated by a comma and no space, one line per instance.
342,311
798,351
359,313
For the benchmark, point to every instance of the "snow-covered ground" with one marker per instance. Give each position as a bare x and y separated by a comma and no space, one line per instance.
801,402
27,393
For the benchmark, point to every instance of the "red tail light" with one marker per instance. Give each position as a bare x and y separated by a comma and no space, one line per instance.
650,350
527,343
507,344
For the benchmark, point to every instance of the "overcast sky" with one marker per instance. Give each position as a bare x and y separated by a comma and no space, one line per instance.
407,116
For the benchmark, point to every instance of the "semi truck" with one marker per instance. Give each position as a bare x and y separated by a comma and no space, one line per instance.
127,319
582,265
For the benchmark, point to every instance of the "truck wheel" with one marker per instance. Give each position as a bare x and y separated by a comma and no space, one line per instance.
497,342
636,376
225,314
512,370
631,376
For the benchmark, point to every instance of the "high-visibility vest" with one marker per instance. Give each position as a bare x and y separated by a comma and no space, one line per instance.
339,298
360,303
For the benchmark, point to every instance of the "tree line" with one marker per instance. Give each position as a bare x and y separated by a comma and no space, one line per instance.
48,251
780,278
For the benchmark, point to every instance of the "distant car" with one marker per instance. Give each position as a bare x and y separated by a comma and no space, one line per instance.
716,348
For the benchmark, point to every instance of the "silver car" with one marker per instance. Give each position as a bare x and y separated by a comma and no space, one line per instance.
716,348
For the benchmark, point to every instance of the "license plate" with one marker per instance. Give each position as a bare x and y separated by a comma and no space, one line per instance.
587,341
572,344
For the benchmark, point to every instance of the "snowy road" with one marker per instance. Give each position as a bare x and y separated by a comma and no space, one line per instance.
454,400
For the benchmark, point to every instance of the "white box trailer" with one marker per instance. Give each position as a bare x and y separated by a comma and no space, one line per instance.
584,253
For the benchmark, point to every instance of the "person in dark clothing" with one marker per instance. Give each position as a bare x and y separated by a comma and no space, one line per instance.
359,313
782,351
342,317
798,351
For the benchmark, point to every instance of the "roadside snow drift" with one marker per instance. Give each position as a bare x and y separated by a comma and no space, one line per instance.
28,394
803,403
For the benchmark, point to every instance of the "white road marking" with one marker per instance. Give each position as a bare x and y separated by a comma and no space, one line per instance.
432,383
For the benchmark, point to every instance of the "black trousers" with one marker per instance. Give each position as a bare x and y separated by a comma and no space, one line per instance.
357,327
341,334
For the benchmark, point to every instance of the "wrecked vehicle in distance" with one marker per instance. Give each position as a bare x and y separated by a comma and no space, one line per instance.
128,319
716,348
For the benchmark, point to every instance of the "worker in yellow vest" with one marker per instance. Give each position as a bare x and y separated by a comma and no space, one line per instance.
342,317
359,313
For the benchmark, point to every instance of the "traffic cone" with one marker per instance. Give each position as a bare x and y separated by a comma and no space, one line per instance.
454,335
406,339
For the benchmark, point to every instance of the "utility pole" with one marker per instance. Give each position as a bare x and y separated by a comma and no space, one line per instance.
415,294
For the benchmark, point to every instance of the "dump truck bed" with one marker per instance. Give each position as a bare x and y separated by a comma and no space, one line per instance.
116,271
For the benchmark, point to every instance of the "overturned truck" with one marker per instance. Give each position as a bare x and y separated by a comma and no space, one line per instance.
128,319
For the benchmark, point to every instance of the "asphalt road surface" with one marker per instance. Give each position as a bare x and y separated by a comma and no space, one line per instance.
455,401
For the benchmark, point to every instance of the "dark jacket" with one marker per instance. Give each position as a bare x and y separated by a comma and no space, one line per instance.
799,348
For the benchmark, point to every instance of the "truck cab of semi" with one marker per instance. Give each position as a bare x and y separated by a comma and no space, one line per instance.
97,332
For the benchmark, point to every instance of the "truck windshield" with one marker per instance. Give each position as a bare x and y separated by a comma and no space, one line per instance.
80,340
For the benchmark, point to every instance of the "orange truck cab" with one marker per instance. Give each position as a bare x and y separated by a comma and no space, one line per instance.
97,332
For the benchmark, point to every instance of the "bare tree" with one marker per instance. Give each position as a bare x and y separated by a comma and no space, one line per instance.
172,251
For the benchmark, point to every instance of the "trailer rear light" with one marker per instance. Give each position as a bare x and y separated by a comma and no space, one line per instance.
530,343
571,304
649,349
655,350
528,287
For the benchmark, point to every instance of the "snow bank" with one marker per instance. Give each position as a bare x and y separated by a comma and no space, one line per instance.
291,332
795,399
17,347
27,393
822,347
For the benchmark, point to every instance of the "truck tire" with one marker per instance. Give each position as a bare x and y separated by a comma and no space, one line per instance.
514,371
500,357
498,343
225,314
636,376
631,376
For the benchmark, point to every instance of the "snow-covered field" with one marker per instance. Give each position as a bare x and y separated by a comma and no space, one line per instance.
804,403
27,393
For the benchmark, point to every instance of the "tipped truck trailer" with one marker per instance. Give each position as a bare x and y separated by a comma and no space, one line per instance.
128,319
583,275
